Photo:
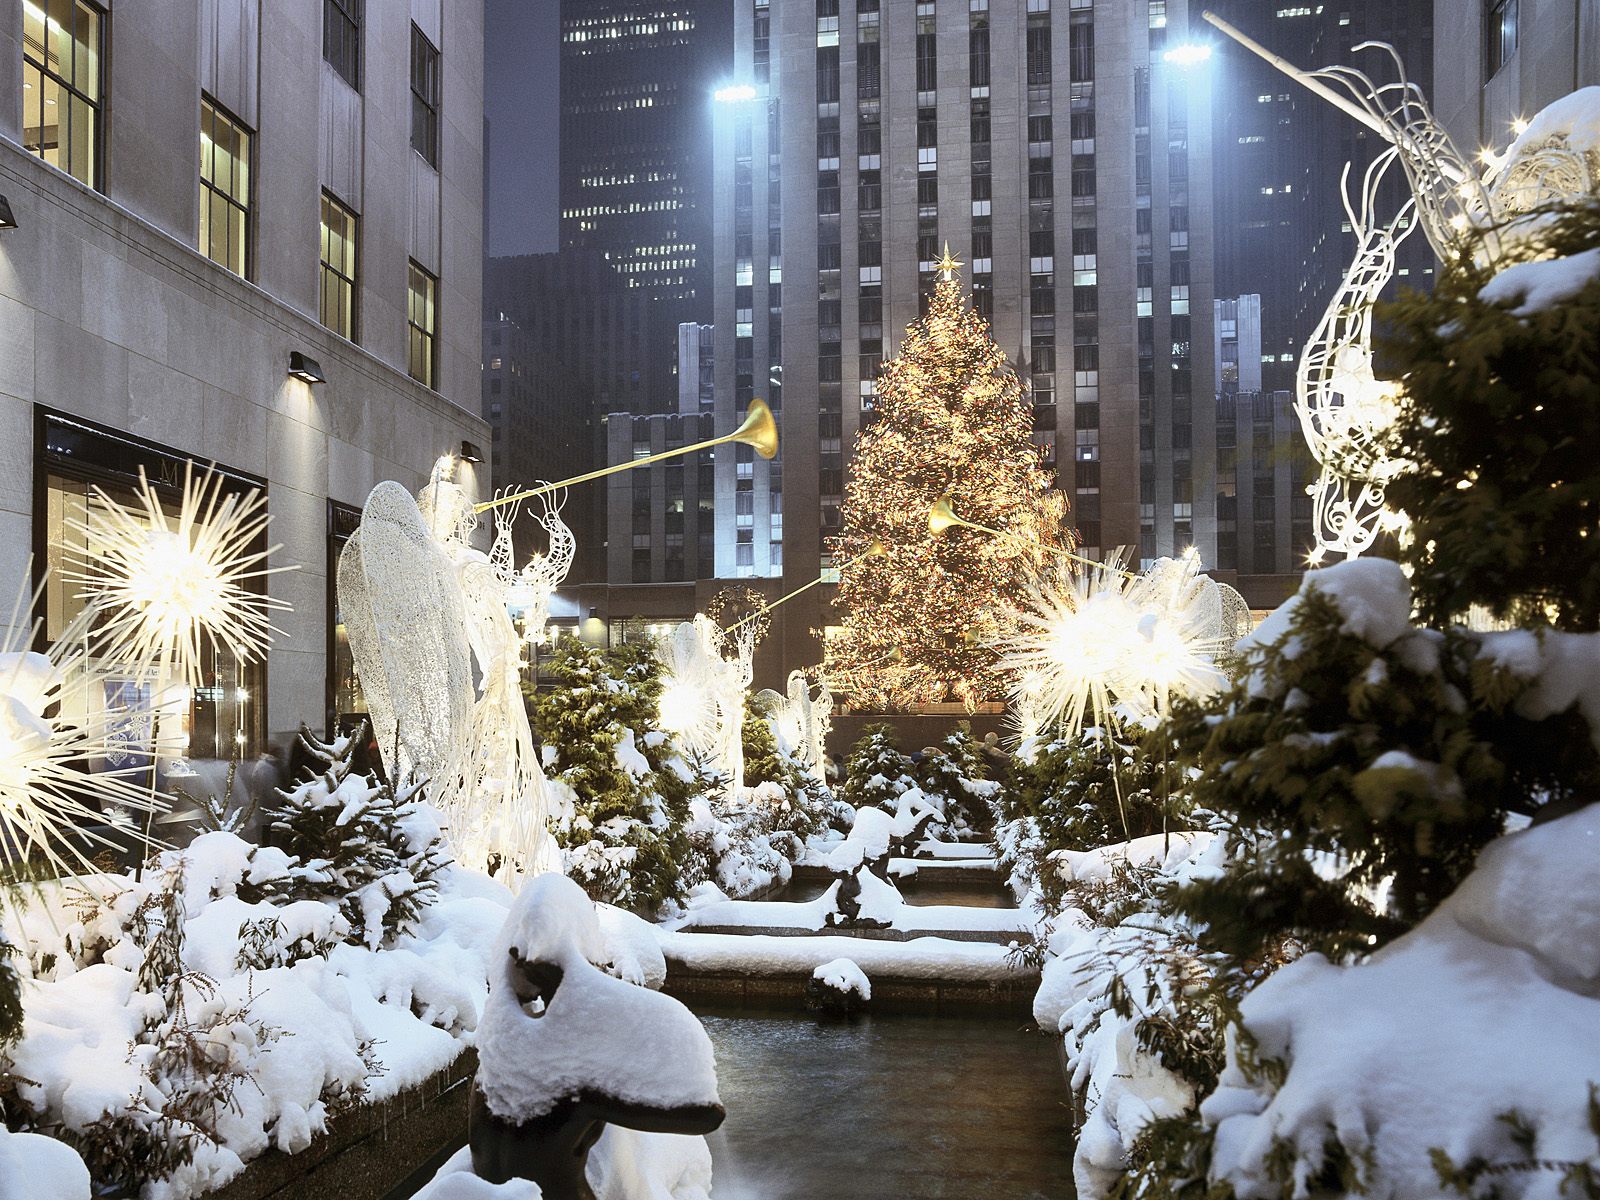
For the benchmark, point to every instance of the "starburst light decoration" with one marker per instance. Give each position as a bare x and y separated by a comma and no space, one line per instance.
1096,644
168,587
53,783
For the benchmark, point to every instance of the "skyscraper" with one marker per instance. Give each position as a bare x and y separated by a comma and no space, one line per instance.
1062,149
636,83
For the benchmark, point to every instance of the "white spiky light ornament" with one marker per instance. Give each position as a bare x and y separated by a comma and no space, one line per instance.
170,586
1098,644
51,785
165,588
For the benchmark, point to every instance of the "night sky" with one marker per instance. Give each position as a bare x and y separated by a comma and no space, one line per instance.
521,85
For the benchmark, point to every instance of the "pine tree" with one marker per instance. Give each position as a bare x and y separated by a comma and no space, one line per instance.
950,419
1497,431
877,774
357,846
623,836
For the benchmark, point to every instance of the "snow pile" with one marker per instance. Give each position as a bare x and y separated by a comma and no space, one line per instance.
1532,287
586,1032
33,1165
624,1165
842,975
1489,1007
1145,955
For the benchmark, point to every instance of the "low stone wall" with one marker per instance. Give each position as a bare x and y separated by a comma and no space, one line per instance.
921,997
913,730
369,1151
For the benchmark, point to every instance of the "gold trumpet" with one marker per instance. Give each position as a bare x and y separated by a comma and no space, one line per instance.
876,550
943,516
760,430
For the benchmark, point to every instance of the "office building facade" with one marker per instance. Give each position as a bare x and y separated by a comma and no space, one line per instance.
1064,155
196,199
1504,60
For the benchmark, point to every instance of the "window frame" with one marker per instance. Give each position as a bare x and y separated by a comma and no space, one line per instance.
351,14
324,267
1495,24
100,107
425,54
414,332
249,206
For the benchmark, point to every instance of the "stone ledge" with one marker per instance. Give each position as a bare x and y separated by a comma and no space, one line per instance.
921,997
369,1150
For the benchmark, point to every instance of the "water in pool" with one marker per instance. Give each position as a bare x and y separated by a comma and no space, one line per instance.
897,1107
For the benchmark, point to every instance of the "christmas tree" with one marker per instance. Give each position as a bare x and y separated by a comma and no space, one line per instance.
951,419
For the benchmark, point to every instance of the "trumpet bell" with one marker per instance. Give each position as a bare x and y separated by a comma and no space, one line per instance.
760,429
941,516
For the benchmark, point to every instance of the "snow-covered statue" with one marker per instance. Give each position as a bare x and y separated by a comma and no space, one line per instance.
865,897
406,619
565,1049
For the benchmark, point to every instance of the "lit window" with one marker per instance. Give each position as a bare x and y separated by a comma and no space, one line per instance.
337,299
424,97
61,85
422,326
341,38
224,189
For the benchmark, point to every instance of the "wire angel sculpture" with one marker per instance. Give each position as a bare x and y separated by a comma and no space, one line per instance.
406,617
1344,409
799,722
532,587
1463,211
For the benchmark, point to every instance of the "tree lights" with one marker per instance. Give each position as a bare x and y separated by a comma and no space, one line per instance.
951,420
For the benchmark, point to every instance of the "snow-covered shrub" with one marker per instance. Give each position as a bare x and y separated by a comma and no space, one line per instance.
357,846
178,1026
1096,790
955,780
10,994
1361,763
1461,1057
622,830
806,802
876,773
1497,428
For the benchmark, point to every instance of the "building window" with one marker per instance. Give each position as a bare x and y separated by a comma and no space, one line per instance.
1500,33
61,85
77,466
424,97
422,325
346,703
338,275
224,189
341,38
